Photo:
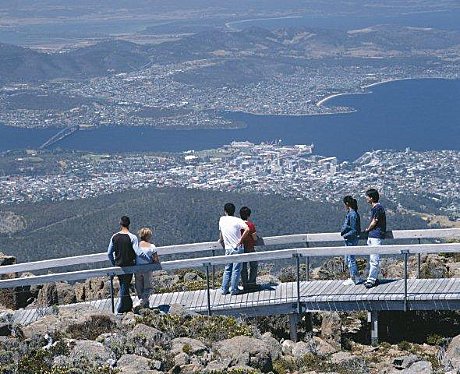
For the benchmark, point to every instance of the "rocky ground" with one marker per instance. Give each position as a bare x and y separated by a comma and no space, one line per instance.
84,340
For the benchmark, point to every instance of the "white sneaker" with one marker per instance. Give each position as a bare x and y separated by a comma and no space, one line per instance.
349,282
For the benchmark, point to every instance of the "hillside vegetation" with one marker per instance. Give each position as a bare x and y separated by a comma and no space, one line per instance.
68,228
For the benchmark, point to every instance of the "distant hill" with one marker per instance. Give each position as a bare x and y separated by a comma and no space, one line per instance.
19,64
246,48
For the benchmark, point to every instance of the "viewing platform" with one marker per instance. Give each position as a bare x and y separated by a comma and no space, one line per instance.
289,298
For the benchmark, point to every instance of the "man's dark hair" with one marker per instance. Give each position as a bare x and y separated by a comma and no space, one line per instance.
245,213
373,194
229,208
125,221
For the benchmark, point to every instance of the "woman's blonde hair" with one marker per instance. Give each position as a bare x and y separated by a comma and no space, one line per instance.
145,234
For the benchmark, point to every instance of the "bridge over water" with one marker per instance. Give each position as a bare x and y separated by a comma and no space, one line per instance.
291,298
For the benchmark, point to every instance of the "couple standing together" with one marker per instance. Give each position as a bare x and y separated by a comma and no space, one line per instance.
376,229
126,250
238,235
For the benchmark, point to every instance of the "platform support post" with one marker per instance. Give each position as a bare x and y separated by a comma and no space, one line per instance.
293,321
373,318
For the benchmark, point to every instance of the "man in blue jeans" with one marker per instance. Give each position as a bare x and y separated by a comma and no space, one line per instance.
121,252
233,231
376,233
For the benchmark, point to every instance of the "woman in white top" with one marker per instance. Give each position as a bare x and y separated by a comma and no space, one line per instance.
146,254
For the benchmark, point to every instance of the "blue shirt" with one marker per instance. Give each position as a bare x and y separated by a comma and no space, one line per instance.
378,213
351,227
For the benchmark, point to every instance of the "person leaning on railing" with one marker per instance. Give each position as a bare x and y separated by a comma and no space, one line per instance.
121,253
249,280
146,253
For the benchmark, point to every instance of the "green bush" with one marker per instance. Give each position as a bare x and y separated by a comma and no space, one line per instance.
404,345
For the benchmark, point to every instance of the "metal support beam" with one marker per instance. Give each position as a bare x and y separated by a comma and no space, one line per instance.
419,261
112,299
406,256
213,270
297,262
307,264
373,319
208,293
293,321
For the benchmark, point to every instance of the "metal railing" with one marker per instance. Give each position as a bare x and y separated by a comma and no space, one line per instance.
209,262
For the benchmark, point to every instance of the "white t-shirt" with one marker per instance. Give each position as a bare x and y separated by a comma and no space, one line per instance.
231,227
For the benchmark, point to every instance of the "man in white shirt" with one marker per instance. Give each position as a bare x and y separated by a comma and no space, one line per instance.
233,231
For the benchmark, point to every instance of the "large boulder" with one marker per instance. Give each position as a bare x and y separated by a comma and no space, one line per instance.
348,360
434,267
331,328
88,350
276,350
94,289
187,345
245,350
300,349
133,364
145,338
452,356
8,296
56,293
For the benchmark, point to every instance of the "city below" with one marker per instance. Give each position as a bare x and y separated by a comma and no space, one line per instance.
414,181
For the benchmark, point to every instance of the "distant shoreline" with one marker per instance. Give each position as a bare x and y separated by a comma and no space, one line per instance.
229,24
322,101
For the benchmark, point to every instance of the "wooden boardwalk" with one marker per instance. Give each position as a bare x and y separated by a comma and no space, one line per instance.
330,295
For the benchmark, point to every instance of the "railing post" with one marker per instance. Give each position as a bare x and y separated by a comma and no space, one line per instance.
406,255
418,261
213,270
112,299
208,292
373,319
297,260
307,264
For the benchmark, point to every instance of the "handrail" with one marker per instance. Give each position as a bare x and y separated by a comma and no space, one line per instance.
222,260
207,246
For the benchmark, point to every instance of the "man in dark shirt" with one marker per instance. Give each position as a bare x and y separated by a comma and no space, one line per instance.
376,233
249,282
121,252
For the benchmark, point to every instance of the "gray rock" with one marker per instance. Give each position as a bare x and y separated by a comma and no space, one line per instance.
193,346
244,350
323,348
350,362
143,336
404,362
47,324
452,356
419,367
95,289
275,347
181,359
191,276
331,328
287,347
89,350
218,365
434,267
48,295
133,364
300,349
191,369
116,342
